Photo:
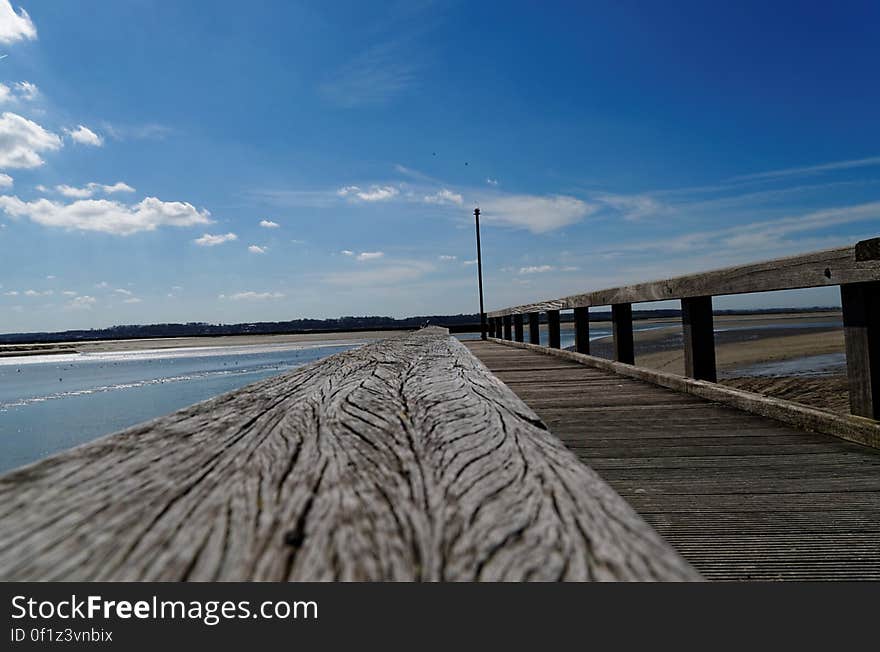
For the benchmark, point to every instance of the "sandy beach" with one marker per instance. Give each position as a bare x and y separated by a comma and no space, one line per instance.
102,346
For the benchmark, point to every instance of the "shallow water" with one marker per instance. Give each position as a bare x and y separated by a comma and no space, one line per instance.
51,403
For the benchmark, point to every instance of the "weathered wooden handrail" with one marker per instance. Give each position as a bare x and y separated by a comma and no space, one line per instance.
405,459
856,269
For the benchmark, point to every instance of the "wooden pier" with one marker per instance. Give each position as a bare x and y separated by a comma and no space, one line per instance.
421,458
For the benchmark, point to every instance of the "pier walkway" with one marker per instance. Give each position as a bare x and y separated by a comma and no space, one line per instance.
739,496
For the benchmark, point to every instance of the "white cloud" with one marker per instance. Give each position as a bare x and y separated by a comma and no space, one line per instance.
374,193
132,300
444,196
252,296
446,258
810,169
127,293
23,91
469,262
102,285
26,90
492,182
372,78
347,252
22,141
106,216
392,275
84,302
15,26
370,255
36,293
91,188
208,240
6,181
69,293
256,249
84,136
269,224
11,293
536,269
537,214
632,207
50,277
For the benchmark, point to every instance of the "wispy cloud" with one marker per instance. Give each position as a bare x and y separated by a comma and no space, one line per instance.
269,224
536,213
372,78
536,269
209,240
92,188
446,258
370,255
444,196
373,193
252,296
256,249
811,169
632,207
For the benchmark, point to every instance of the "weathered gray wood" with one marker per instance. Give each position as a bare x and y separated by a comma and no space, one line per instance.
518,328
402,460
553,329
622,330
741,497
861,328
582,330
699,338
817,269
534,328
508,327
855,429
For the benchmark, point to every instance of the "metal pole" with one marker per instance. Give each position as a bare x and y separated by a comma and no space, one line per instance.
480,276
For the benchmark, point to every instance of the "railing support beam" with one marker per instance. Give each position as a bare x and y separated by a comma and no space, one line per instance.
699,338
518,327
622,328
582,330
508,328
553,329
861,329
534,328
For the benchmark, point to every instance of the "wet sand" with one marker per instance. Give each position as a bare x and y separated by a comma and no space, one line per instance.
100,346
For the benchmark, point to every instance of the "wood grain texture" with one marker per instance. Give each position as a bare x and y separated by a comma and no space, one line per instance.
405,459
740,496
817,269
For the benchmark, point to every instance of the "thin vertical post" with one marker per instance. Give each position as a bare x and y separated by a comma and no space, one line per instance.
498,327
699,338
622,328
518,327
861,332
534,328
508,327
582,330
553,328
480,275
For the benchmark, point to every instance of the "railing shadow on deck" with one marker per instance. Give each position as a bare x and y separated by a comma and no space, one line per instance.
855,269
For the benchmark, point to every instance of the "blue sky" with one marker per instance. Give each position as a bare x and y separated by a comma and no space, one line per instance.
229,161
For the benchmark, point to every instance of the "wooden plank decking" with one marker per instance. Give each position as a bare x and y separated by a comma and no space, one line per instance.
740,496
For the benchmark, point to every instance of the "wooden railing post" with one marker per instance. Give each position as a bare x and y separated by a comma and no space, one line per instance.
861,331
518,327
534,328
699,338
553,329
582,330
508,328
622,328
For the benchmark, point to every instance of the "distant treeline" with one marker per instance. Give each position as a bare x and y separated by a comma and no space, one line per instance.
459,323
